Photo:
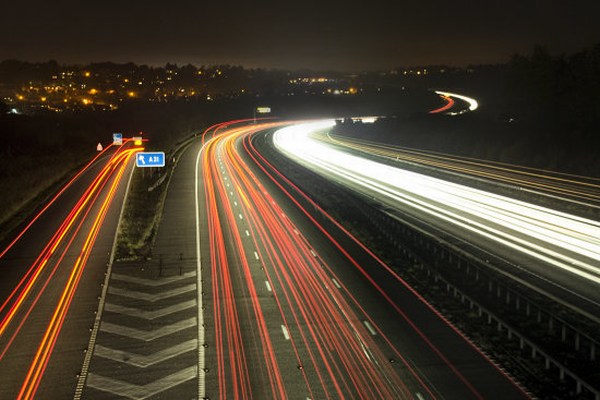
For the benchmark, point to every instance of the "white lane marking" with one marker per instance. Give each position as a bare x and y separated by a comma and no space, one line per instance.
364,349
201,371
296,231
256,256
92,342
247,233
235,203
286,334
268,285
372,330
241,216
419,396
231,193
337,285
313,253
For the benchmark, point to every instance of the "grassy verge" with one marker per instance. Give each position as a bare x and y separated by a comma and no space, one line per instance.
143,210
144,206
23,193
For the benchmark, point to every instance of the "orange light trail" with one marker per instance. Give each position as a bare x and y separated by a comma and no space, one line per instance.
25,286
18,306
56,196
45,348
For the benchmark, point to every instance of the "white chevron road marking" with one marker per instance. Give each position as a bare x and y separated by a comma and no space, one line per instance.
147,335
143,361
152,297
140,392
149,315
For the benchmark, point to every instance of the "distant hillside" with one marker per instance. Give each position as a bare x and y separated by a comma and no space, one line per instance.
536,110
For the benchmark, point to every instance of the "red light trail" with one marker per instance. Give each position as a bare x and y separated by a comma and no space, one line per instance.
449,104
343,359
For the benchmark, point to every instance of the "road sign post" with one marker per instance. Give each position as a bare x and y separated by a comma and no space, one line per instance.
261,110
150,159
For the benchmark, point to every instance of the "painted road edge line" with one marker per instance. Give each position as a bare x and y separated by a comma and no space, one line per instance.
92,343
201,339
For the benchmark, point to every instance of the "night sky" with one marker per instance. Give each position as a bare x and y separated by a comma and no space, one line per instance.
337,35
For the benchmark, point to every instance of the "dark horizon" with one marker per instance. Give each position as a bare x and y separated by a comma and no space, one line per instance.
330,36
529,52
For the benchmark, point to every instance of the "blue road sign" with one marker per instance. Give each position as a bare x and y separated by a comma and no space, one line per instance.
150,159
117,139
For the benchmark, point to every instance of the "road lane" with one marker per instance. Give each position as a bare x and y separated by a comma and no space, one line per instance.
562,249
35,357
326,325
574,189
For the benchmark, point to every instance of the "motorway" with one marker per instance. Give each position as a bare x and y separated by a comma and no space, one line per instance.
558,251
296,310
51,276
573,189
254,291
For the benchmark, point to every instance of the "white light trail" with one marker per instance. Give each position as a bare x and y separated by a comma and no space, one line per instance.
565,241
473,105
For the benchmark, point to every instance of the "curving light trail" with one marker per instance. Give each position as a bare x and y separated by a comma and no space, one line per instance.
343,358
54,198
448,97
449,103
571,188
561,240
50,269
252,242
38,366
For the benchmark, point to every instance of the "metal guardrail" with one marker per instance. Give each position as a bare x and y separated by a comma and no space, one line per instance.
477,269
